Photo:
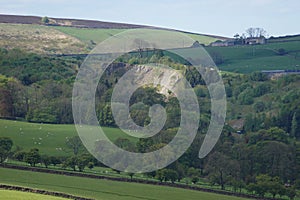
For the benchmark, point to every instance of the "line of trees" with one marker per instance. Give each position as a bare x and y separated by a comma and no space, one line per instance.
34,157
239,168
252,33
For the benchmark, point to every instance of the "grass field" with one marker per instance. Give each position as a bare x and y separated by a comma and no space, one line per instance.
98,35
88,34
48,138
102,189
247,59
202,39
291,38
16,195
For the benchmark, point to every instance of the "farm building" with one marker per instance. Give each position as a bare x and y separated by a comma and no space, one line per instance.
246,41
223,43
255,40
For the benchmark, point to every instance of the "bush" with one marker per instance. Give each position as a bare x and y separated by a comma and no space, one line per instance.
167,175
46,160
45,20
246,97
90,165
258,76
281,52
55,160
195,179
261,89
259,106
19,156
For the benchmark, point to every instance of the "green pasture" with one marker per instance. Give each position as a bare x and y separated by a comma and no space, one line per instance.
292,38
16,195
262,63
102,189
98,35
89,34
202,39
247,59
48,138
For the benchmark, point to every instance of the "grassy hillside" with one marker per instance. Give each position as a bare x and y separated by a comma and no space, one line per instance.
246,59
49,139
38,39
89,35
61,39
98,35
16,195
102,189
203,39
80,36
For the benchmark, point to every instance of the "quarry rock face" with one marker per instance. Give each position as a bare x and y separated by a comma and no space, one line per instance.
161,77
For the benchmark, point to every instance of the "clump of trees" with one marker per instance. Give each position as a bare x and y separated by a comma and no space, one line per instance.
36,88
282,51
33,157
78,162
256,32
251,33
167,175
265,184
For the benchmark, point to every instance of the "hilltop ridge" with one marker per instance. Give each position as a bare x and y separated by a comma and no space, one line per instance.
82,23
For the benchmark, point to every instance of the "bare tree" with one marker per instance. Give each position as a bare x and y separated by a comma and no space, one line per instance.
260,32
250,32
256,32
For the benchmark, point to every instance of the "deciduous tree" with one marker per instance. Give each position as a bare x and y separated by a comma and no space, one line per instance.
33,157
75,144
5,148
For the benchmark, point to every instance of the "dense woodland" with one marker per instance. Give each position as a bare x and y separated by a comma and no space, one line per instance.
262,154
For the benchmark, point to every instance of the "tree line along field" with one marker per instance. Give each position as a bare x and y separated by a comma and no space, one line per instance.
101,189
48,138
